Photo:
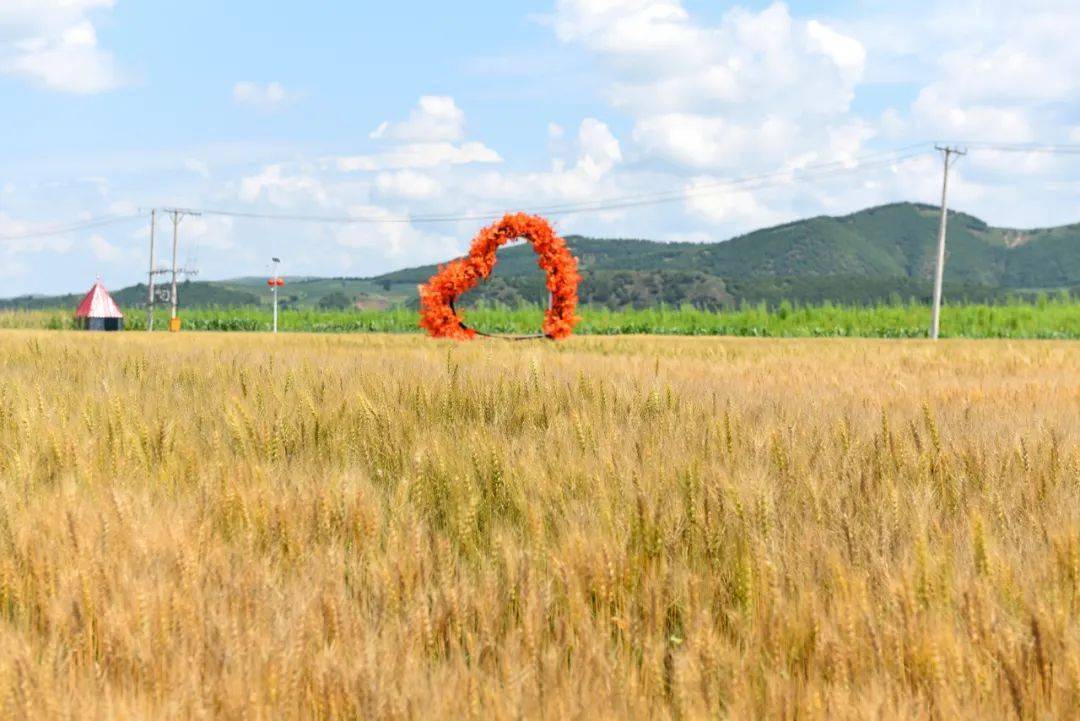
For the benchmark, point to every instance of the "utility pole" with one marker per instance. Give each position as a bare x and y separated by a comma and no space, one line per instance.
177,215
939,274
150,281
275,283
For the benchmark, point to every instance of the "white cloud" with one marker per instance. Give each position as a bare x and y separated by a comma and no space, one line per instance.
261,95
212,232
412,178
398,242
892,124
420,155
199,167
943,117
748,64
600,150
54,43
103,250
846,53
9,246
720,205
628,29
752,92
590,175
763,90
432,137
756,88
407,185
437,118
277,187
704,141
122,207
1009,76
1016,52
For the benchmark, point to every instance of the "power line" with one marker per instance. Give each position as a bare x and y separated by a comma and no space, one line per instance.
784,176
73,227
706,190
779,177
774,178
1066,149
781,174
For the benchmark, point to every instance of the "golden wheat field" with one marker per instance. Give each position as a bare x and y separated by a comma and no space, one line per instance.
258,527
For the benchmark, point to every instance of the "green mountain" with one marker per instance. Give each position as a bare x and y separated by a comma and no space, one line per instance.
875,255
134,296
869,256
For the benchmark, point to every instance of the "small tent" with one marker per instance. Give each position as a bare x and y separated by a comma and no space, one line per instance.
98,311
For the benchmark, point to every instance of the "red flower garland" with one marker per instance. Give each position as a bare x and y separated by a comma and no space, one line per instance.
437,314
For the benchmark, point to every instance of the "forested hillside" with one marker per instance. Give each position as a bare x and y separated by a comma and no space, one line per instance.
876,255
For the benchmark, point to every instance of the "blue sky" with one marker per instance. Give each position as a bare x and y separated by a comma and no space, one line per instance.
387,111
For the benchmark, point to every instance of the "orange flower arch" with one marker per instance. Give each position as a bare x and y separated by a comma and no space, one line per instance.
437,296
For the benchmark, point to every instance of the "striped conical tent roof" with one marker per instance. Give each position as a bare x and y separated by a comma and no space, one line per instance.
98,304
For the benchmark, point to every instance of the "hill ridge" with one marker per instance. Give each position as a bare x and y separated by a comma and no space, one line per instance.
875,254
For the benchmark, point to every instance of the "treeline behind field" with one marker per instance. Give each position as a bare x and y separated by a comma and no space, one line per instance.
1056,317
879,255
883,255
628,289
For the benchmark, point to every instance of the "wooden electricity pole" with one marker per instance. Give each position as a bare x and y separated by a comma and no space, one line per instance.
274,286
150,281
939,274
177,215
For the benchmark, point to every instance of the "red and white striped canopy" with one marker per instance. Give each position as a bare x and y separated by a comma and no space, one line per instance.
98,304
